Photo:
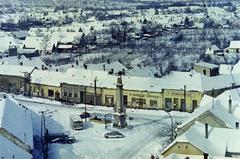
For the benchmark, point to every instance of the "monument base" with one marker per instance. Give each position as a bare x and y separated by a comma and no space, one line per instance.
119,120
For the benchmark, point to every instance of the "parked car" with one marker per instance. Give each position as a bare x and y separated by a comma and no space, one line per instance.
59,138
114,134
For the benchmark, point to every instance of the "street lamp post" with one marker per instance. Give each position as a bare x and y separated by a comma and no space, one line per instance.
172,131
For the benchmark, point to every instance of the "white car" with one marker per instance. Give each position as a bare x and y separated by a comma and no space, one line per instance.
114,134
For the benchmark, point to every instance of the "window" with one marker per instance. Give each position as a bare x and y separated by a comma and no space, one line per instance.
153,103
194,104
50,93
70,94
183,105
175,103
168,103
138,102
75,95
65,94
109,100
134,101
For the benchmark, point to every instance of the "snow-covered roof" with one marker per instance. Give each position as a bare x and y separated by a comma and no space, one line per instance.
220,81
214,47
219,141
16,120
10,150
142,71
206,65
26,51
14,60
192,80
61,46
183,156
6,40
220,108
204,105
225,69
13,70
234,44
39,43
47,77
236,68
116,66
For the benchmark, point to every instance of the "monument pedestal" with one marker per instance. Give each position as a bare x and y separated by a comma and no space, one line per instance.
119,120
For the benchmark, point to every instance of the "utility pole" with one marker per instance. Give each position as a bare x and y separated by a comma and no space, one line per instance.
213,98
95,91
184,93
85,101
172,129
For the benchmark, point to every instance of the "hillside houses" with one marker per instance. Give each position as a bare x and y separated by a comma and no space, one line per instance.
46,41
233,47
7,40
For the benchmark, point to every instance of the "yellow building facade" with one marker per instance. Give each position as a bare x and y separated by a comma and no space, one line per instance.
182,148
13,84
46,91
164,99
180,99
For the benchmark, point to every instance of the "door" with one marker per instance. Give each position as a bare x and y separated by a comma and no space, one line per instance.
57,95
168,104
42,92
194,104
82,97
183,105
125,100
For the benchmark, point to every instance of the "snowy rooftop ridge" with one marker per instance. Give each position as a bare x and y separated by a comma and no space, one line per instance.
208,65
192,80
219,107
9,149
219,141
183,156
14,70
16,120
234,44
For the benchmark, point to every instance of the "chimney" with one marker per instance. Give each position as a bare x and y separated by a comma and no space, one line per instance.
205,156
230,105
206,130
237,125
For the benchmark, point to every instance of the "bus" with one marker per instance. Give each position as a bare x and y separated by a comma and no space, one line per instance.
76,122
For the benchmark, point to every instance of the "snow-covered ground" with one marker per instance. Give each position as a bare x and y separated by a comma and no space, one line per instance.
147,136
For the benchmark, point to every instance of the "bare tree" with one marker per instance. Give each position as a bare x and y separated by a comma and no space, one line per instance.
45,43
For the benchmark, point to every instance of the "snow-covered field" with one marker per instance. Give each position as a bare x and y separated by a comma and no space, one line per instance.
147,136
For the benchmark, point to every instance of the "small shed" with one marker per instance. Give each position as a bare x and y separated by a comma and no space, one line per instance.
207,69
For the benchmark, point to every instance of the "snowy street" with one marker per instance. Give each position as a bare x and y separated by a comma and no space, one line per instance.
140,142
